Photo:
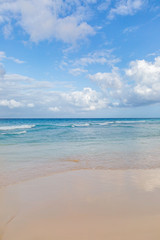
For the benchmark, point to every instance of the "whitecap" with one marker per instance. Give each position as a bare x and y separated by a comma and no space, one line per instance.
14,133
6,128
138,121
81,125
104,123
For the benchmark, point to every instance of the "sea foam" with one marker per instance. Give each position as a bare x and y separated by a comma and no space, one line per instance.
14,127
14,133
80,125
104,123
138,121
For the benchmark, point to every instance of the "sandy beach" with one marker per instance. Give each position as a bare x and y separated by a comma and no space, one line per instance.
83,204
79,120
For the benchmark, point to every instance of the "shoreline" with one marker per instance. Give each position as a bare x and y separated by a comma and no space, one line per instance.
49,174
83,204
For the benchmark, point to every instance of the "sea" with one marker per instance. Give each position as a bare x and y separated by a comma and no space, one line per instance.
31,148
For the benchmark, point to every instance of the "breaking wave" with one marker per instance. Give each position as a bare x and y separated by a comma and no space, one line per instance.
14,127
81,125
14,133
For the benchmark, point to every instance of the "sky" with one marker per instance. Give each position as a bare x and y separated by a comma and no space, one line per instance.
79,58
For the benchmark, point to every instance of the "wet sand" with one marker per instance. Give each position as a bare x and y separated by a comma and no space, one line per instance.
83,205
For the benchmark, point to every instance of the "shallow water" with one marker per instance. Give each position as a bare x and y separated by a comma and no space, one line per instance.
38,147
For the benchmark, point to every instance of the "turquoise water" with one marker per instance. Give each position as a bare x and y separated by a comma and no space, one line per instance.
38,147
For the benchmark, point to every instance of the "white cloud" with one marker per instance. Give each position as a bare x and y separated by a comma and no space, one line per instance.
7,30
146,76
3,56
131,29
126,7
138,85
103,6
1,19
69,30
77,71
87,99
30,105
21,91
107,80
54,109
10,103
156,53
145,72
64,20
79,65
98,57
2,71
16,60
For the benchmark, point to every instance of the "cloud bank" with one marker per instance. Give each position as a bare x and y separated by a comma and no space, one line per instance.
137,85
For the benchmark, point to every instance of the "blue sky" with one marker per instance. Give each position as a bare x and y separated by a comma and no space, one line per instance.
79,58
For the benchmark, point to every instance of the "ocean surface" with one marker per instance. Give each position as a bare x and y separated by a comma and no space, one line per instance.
31,148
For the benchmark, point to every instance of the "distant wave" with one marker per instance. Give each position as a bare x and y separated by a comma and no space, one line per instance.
14,133
138,121
100,123
81,125
6,128
104,123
